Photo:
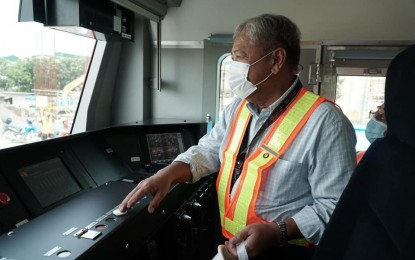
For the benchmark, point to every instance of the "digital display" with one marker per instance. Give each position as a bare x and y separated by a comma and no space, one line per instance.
165,147
49,181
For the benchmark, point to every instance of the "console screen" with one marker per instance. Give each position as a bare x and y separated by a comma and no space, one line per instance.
49,181
165,147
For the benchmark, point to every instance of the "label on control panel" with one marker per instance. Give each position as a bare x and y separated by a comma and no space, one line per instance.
52,251
69,231
135,158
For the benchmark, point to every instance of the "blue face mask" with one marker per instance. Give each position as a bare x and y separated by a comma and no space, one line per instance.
375,129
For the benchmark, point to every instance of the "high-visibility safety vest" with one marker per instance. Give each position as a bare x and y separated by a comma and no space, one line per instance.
239,211
359,156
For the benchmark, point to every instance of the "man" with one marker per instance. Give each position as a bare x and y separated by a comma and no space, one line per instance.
376,127
293,162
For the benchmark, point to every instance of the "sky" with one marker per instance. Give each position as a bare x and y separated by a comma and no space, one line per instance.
8,10
28,39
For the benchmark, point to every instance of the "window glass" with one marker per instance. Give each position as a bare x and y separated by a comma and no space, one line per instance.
42,73
225,93
357,96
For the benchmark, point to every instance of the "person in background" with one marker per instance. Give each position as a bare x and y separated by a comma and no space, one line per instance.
376,127
284,155
374,218
65,128
48,125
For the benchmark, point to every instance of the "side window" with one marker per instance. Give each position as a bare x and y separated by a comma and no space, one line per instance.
42,73
358,96
354,77
225,93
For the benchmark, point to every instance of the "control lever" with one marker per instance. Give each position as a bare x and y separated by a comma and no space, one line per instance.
197,213
185,235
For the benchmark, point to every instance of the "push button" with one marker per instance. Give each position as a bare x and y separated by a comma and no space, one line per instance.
117,212
4,199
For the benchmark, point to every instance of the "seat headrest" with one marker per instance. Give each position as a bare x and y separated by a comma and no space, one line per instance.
400,97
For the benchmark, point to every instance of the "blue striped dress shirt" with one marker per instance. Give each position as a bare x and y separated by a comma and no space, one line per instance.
306,182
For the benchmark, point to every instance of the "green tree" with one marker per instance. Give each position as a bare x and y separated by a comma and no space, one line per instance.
16,76
41,72
71,68
4,64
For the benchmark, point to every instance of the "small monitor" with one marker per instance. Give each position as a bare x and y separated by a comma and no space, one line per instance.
164,147
50,181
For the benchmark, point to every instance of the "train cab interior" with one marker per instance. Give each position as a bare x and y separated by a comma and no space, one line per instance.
96,96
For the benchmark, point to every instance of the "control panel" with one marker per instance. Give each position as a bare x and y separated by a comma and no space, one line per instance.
89,227
62,202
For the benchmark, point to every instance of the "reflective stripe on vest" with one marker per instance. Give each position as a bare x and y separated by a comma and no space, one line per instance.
235,214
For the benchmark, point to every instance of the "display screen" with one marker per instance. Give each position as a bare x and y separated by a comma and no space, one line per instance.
165,147
49,181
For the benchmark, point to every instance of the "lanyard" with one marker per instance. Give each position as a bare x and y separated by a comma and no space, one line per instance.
245,148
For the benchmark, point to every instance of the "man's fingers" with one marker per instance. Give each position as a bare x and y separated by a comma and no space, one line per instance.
154,203
140,191
131,198
154,185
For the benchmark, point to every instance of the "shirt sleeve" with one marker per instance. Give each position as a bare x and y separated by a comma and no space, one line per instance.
331,162
204,158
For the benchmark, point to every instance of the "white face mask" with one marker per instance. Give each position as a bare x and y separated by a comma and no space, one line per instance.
375,129
238,78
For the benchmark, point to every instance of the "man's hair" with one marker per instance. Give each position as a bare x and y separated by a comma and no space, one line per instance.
270,31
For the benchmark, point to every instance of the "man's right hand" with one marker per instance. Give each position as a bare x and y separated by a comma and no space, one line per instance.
157,185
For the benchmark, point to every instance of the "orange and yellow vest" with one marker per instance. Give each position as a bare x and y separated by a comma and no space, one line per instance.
359,156
239,211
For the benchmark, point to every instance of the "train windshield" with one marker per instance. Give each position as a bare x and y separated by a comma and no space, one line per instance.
42,73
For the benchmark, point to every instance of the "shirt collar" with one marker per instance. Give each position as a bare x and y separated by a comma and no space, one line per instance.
253,108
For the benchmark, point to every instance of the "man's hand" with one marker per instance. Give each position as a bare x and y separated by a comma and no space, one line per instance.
258,237
157,185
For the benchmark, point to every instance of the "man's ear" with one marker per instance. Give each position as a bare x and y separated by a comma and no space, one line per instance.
278,60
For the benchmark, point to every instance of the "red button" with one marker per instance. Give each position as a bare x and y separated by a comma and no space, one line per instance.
4,199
